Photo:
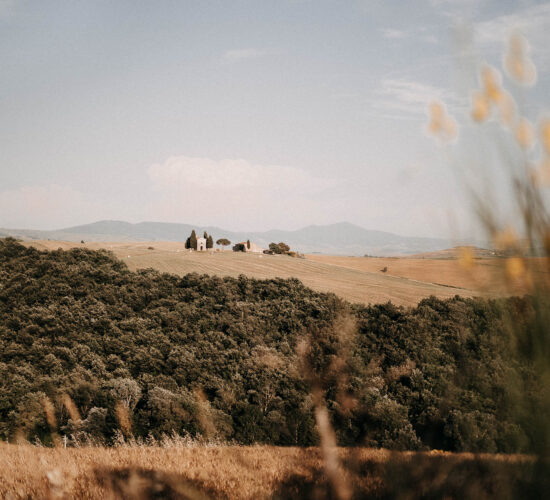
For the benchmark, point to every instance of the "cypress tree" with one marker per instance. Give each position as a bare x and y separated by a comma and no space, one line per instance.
193,240
209,242
248,244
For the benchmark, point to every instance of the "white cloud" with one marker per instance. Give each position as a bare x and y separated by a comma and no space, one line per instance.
407,97
533,22
418,33
234,193
394,34
237,55
205,173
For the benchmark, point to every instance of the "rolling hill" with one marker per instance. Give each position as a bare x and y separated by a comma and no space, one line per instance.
356,279
337,239
244,355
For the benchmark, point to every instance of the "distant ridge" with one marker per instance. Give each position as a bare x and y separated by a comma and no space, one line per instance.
342,238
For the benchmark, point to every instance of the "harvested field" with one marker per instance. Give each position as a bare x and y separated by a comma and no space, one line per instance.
340,275
487,275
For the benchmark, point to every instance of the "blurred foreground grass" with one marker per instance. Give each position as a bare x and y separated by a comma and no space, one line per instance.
257,472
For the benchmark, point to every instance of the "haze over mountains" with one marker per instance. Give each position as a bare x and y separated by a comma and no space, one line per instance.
338,239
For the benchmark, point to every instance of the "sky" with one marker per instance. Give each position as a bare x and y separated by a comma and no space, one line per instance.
248,114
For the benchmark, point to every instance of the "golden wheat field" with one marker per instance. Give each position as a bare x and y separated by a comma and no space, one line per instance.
356,279
238,472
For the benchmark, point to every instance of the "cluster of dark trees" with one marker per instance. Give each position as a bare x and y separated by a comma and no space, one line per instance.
238,358
191,241
278,248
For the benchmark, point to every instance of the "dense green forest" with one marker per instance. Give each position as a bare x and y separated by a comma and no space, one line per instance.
237,359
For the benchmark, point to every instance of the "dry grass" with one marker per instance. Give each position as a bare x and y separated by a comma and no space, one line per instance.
210,472
357,279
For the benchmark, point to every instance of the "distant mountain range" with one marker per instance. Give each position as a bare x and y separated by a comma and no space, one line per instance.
338,239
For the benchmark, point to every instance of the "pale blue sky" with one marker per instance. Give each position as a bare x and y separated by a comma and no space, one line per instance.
249,115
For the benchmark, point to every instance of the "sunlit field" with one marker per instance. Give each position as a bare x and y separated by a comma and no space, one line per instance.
357,279
255,472
484,275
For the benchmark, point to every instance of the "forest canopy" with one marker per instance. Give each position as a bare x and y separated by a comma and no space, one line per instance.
223,358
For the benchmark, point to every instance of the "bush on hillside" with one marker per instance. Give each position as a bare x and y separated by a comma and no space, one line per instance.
279,248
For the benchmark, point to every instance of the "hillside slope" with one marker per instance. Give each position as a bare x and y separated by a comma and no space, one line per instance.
352,284
487,275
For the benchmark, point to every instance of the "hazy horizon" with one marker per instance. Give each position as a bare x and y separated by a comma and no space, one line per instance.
205,226
247,115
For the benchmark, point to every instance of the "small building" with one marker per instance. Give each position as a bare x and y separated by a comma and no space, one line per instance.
253,247
201,244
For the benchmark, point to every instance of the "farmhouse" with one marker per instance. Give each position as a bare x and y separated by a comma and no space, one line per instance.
253,247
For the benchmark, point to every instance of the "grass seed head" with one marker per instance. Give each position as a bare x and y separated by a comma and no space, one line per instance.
524,134
480,106
491,81
517,61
